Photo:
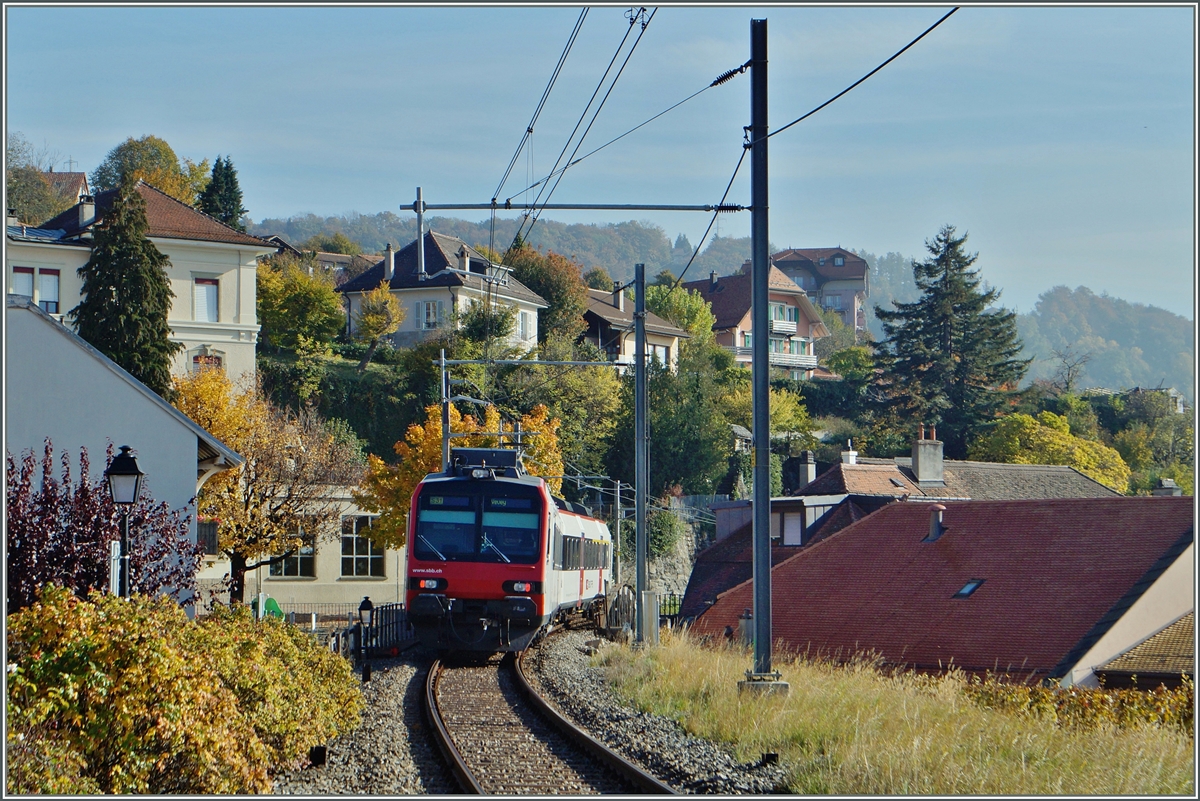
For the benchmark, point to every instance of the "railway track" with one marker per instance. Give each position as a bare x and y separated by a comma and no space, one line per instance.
501,738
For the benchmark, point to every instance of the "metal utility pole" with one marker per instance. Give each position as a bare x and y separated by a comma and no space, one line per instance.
761,677
641,447
445,414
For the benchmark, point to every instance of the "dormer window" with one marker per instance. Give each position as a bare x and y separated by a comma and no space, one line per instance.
821,262
838,261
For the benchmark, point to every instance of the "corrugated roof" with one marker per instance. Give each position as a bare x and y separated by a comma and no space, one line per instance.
1051,571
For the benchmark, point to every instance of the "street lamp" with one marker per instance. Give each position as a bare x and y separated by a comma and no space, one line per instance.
125,487
366,615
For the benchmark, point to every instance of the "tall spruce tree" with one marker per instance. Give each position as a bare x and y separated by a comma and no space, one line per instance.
946,357
127,295
222,198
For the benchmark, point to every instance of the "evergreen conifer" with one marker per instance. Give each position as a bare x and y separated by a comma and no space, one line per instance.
127,295
946,356
222,198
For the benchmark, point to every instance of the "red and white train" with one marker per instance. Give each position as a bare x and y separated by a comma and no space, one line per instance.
493,557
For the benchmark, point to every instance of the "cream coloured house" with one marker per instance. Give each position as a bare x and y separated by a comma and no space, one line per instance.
441,278
212,273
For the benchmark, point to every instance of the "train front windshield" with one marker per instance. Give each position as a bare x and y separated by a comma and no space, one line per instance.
479,522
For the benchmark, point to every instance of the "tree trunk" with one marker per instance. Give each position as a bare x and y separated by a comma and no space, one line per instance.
366,359
237,578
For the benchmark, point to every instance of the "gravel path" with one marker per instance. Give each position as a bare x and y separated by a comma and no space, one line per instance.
657,743
390,753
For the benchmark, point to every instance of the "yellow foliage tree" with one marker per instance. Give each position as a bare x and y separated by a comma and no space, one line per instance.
388,489
379,314
1047,439
787,410
279,500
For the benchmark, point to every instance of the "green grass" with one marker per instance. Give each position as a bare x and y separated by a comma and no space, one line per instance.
851,730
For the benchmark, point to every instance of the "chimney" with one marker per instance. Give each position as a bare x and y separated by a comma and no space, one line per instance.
12,218
618,296
746,267
936,529
712,281
389,262
464,259
849,456
1167,488
927,459
87,211
808,468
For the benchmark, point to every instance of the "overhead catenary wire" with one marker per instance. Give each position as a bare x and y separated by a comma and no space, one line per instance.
721,79
562,59
863,78
711,222
532,219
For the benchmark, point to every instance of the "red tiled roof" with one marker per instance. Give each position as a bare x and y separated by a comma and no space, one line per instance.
725,564
71,183
730,298
167,218
810,259
1053,571
963,479
1170,652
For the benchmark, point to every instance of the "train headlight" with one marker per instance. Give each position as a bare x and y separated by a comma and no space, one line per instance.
415,583
530,587
522,586
481,472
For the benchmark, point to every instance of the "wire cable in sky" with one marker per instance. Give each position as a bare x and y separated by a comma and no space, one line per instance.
863,78
711,222
603,100
633,19
724,77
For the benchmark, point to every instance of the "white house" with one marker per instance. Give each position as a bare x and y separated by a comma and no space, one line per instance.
450,275
59,386
212,273
610,327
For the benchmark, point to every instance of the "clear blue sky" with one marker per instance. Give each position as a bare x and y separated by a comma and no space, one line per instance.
1062,139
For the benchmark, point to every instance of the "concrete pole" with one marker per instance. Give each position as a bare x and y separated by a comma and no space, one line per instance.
419,208
761,383
641,447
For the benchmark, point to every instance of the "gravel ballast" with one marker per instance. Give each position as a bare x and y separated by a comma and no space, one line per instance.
391,752
657,743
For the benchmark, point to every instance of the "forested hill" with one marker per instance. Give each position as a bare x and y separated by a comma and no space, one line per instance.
1127,344
616,246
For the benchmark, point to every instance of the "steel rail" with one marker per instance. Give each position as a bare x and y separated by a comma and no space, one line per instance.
644,781
458,765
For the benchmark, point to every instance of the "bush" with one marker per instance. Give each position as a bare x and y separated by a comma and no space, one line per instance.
665,530
114,696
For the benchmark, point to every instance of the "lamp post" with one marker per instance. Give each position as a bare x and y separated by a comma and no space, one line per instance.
125,486
366,615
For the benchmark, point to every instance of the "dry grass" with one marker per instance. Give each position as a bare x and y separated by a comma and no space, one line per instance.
851,730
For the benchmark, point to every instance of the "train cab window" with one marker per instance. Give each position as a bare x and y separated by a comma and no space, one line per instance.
484,527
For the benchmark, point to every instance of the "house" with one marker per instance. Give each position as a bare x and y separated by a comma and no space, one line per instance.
212,274
835,278
794,325
1040,590
62,388
450,277
1164,658
609,319
853,489
329,577
68,184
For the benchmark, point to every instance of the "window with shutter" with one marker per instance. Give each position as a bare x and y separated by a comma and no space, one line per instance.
48,290
205,293
22,281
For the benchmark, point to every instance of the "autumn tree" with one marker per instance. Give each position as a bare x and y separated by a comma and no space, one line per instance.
27,187
332,243
947,356
841,336
1047,439
379,314
58,530
127,295
559,281
152,160
279,500
685,308
296,299
388,489
222,198
598,278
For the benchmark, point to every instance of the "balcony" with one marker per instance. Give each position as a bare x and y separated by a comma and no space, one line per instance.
804,360
783,326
